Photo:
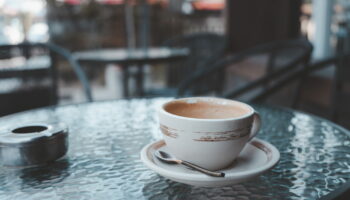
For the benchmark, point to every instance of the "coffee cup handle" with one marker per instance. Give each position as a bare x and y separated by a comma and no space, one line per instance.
256,126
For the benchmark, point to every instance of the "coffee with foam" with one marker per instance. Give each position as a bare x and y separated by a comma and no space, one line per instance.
207,109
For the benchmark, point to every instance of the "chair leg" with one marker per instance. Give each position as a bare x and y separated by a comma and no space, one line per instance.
337,87
54,77
297,93
125,81
270,66
140,81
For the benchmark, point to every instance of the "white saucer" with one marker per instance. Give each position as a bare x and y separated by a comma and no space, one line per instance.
256,158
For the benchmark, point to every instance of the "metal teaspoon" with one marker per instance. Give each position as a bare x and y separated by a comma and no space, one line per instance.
167,158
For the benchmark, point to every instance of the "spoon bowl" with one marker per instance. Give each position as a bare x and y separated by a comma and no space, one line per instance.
166,157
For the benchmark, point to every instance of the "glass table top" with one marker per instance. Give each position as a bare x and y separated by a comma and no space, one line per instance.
103,161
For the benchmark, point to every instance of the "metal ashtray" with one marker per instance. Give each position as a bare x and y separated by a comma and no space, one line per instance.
33,144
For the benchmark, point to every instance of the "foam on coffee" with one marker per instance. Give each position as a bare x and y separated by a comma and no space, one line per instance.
202,109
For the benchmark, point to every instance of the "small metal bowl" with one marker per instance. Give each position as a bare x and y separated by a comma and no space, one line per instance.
33,144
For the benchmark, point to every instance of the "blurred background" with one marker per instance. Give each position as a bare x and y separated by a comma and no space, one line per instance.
292,53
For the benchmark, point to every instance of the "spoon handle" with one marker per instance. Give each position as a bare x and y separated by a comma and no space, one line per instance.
203,170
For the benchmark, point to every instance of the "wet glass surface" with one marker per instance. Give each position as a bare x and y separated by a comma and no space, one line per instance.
106,138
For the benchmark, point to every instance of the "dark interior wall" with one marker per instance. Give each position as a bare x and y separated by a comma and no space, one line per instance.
250,22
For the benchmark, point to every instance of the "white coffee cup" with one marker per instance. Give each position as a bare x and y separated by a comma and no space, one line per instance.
212,142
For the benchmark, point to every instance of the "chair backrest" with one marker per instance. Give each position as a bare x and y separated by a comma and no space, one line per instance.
31,66
281,57
23,59
280,83
338,101
205,48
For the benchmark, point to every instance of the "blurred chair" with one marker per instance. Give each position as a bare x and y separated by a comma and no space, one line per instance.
262,65
205,50
28,76
342,73
339,98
